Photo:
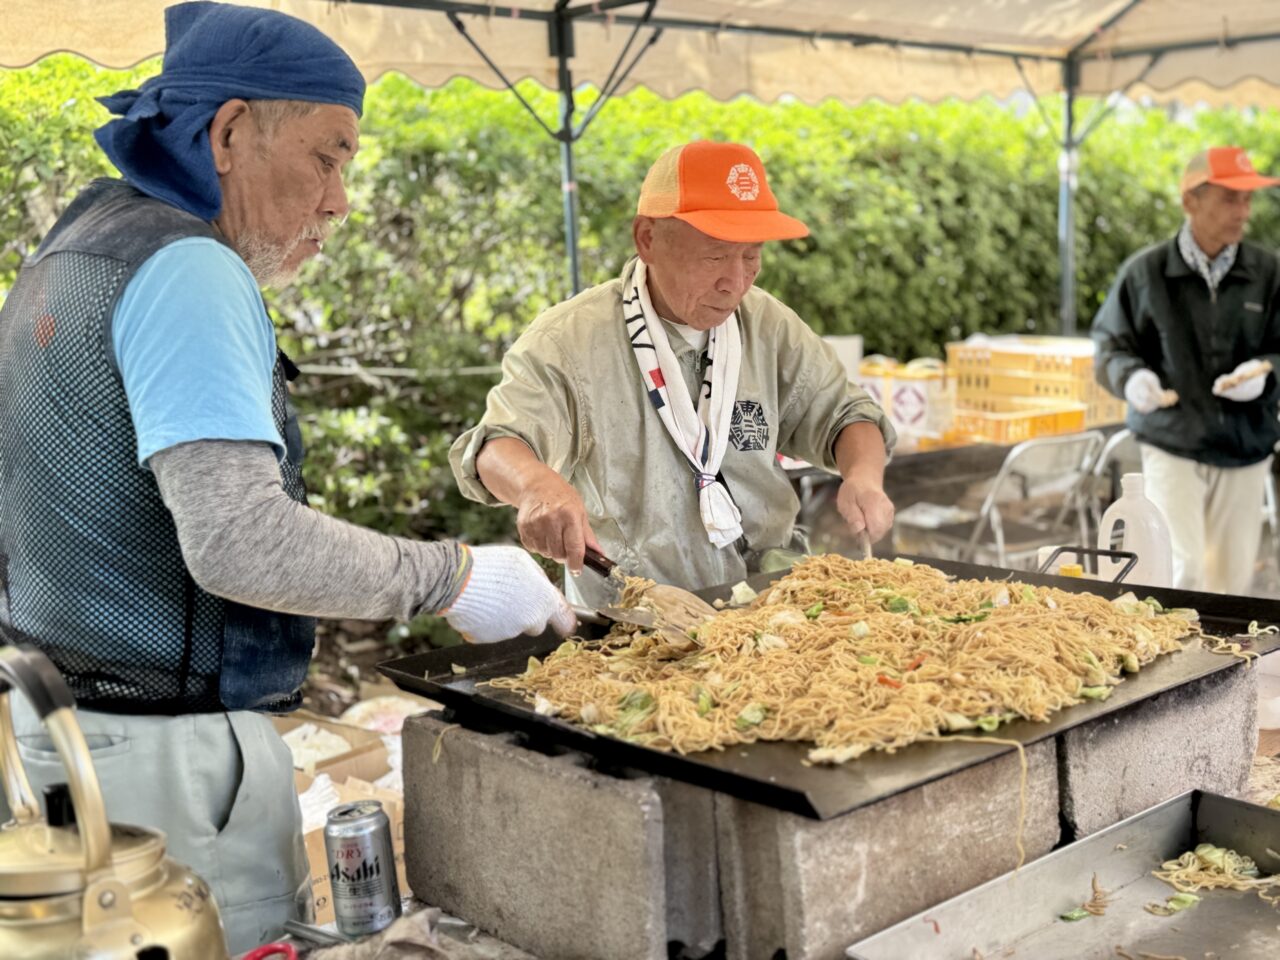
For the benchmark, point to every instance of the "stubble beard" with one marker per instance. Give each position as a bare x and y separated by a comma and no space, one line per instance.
267,259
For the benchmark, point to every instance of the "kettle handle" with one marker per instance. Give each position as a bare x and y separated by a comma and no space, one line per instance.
34,675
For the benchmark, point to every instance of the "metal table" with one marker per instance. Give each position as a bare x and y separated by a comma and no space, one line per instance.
1017,915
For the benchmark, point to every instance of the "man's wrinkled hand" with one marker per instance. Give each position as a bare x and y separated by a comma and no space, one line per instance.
552,521
865,507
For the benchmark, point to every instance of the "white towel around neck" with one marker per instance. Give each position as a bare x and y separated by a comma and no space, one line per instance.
701,435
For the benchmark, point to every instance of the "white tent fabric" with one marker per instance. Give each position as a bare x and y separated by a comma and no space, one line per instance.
819,59
1224,52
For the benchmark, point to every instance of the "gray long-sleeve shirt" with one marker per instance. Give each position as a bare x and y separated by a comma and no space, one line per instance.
244,539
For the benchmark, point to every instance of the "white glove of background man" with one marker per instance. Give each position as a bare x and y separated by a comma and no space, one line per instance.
506,594
1143,391
1244,383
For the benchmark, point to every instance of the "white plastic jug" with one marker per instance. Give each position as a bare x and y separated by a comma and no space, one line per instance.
1145,533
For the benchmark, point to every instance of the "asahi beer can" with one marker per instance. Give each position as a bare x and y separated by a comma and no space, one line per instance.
362,867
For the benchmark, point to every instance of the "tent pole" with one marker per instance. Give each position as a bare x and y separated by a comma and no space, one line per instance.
560,45
568,184
562,50
1067,163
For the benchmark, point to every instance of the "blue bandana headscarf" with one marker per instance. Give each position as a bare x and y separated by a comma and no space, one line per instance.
215,52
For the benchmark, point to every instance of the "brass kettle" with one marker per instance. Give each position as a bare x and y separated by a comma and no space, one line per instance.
71,884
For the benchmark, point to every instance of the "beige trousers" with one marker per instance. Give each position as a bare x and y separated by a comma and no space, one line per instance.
1214,516
220,785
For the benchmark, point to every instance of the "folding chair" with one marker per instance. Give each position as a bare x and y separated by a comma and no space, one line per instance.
1008,530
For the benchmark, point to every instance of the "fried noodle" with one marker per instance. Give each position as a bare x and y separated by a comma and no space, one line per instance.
1217,868
855,655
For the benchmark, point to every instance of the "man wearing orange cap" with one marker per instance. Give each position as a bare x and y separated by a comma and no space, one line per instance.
643,417
1189,336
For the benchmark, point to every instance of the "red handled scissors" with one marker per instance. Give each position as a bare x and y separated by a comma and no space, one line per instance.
285,950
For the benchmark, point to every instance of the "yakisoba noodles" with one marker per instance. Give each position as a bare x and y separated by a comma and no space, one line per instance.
1214,868
855,656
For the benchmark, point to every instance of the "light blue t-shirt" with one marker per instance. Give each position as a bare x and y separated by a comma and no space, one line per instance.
196,349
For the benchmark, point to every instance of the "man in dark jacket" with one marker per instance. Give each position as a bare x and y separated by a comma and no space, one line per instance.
1190,336
155,541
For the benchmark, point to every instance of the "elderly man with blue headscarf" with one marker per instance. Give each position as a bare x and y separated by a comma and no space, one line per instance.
154,537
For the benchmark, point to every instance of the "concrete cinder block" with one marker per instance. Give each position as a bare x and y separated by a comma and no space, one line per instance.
812,887
692,867
543,853
1201,735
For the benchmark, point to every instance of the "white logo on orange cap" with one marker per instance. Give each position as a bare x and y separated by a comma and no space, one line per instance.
1242,161
743,182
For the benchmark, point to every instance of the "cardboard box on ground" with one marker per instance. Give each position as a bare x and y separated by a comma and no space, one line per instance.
366,760
353,774
350,790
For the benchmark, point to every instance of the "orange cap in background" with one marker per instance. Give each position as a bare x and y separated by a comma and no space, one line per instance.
719,189
1227,167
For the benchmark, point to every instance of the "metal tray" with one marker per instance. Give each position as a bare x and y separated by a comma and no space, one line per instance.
1015,916
771,773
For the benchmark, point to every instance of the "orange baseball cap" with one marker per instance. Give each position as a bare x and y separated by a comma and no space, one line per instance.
1227,167
720,189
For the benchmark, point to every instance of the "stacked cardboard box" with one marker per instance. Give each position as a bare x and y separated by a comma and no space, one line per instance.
353,774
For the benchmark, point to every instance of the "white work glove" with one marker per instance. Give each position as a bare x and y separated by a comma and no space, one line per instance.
506,594
1244,383
1143,391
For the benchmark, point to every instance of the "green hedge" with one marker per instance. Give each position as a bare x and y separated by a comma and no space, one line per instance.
928,223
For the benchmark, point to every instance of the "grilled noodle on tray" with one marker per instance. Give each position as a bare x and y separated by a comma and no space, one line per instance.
855,655
1216,868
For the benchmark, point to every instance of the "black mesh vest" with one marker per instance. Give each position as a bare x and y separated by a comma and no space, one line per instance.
90,567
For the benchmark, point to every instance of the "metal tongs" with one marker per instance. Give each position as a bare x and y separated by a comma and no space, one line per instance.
670,610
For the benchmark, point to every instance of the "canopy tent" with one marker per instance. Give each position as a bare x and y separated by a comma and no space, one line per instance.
1222,53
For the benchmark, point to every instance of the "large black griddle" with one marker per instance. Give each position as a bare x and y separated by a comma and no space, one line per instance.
771,773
